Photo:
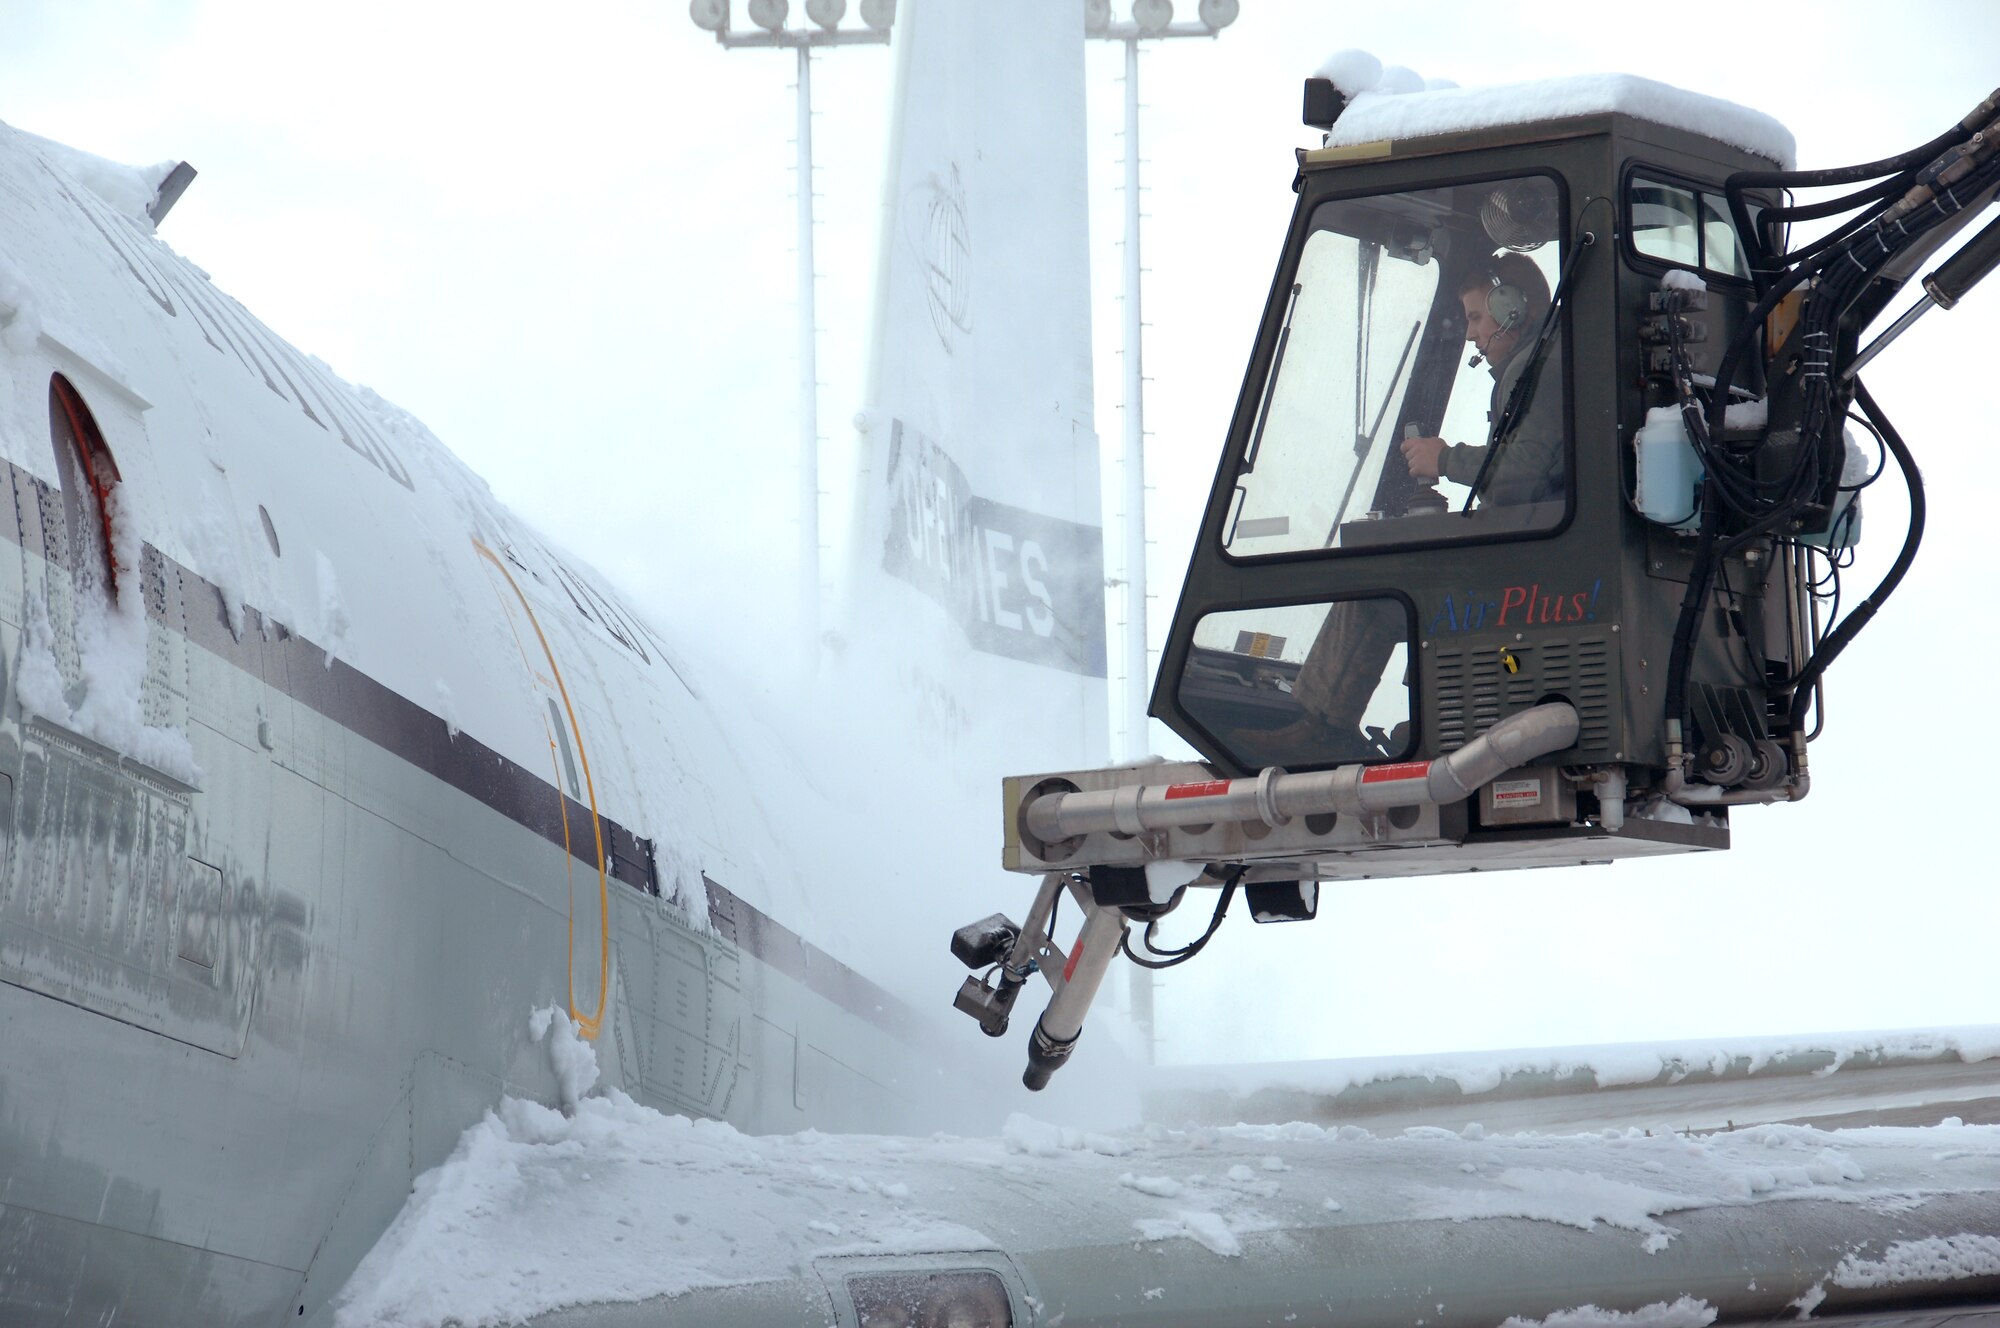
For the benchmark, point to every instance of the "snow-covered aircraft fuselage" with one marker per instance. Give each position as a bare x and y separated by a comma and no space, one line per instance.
319,770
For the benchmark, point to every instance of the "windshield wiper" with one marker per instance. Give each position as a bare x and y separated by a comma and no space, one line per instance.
1365,442
1524,386
1271,383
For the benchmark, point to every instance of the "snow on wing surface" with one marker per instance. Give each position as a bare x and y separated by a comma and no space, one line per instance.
537,1211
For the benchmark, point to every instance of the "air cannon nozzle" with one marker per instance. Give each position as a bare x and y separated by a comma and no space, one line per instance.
1045,1056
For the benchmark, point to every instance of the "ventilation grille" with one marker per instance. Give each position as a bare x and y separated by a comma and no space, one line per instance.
1474,688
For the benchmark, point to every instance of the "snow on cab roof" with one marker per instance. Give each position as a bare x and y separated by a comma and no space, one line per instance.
1396,103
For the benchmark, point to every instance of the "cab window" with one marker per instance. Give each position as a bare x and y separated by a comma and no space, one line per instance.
1301,685
1684,226
1411,320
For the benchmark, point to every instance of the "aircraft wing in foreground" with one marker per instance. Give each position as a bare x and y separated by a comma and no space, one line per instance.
1306,1222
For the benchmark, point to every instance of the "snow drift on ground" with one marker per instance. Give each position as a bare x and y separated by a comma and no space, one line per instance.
1615,1065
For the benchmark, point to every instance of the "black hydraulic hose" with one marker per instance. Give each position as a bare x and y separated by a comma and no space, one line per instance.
1870,252
1803,263
1701,579
1707,559
1181,954
1761,265
1768,505
1844,231
1874,193
1764,512
1815,257
1869,170
1700,575
1832,207
1746,335
1734,186
1849,627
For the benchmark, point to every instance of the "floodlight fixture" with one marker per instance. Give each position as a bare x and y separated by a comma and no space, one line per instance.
1152,16
1096,17
826,13
769,14
1215,15
710,15
878,14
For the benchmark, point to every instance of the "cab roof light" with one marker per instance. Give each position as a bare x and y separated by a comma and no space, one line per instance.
1324,103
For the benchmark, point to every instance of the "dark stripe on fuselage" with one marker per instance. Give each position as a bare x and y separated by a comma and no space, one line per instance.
757,933
182,600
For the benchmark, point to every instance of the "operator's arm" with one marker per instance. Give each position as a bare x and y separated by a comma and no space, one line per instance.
1431,457
1460,462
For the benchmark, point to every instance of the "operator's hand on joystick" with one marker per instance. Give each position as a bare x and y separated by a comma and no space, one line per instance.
1425,457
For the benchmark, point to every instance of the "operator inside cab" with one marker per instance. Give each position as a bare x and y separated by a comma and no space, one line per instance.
1504,305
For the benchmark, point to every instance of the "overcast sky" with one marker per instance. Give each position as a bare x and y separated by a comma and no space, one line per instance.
567,246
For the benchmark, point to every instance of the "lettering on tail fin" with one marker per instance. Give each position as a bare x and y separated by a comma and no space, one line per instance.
1021,584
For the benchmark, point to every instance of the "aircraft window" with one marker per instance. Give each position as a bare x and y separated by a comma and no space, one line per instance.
87,473
1303,684
1372,428
1686,227
965,1299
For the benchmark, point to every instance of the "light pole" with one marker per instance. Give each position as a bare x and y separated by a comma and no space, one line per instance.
769,16
1151,20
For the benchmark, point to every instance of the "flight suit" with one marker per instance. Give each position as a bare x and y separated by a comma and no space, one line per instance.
1530,466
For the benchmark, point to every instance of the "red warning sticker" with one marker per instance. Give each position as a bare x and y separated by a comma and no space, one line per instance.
1213,788
1376,774
1517,793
